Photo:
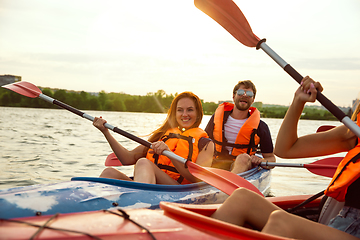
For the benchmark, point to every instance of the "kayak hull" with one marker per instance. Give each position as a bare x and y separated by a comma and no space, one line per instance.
174,221
89,194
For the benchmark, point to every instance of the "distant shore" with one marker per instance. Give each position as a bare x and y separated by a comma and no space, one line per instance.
158,102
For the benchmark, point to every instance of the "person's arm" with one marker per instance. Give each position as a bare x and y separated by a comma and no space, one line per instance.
266,146
289,145
125,156
269,157
266,157
206,155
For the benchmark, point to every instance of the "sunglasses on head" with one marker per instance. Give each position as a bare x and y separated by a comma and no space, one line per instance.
241,92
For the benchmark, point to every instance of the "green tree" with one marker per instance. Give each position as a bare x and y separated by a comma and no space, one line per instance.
60,95
132,104
94,103
102,99
4,98
119,105
209,107
83,101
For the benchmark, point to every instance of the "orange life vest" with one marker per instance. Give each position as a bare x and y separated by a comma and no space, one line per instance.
183,144
346,173
247,139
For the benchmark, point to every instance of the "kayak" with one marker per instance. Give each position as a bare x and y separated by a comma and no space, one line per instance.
173,221
91,193
198,216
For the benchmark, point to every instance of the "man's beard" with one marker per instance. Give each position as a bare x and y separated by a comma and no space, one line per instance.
242,107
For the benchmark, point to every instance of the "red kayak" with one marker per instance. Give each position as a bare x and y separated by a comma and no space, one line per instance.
174,221
198,217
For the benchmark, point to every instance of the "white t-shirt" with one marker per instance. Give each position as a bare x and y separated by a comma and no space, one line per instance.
232,128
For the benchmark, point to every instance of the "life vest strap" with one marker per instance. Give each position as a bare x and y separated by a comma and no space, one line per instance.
189,139
250,147
353,160
232,144
172,169
168,168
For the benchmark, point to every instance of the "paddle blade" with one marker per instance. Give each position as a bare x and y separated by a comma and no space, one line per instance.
223,180
112,160
325,167
324,128
24,88
330,161
230,17
326,172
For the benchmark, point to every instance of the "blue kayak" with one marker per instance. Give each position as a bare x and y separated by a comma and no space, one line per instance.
91,193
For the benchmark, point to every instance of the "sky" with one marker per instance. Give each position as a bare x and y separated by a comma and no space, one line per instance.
142,46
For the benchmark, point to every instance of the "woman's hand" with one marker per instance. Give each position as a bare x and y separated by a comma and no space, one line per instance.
158,147
99,124
308,90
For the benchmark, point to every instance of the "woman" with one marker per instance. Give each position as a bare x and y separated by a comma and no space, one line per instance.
267,217
179,133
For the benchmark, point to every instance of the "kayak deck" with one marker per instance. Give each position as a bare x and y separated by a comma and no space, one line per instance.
174,221
89,194
149,224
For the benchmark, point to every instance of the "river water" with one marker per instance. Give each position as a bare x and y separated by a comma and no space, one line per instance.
39,146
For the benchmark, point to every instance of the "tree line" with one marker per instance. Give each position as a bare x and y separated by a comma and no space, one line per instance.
158,102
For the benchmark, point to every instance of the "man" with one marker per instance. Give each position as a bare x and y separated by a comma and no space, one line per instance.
237,132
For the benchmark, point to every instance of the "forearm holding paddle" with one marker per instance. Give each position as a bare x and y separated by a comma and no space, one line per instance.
289,145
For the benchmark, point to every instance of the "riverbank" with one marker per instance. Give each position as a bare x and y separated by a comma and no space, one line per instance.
158,102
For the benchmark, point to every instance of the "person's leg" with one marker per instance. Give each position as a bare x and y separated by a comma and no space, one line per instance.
241,164
222,164
245,206
146,171
284,224
114,173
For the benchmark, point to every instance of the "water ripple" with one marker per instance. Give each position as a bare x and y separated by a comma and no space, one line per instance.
37,158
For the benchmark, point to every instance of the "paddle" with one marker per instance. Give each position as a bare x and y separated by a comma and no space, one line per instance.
325,167
112,160
221,179
324,128
230,17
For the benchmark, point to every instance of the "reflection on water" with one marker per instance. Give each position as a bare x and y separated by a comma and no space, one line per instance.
39,146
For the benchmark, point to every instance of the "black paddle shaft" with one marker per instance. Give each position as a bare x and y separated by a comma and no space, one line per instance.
69,108
132,137
340,115
320,97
